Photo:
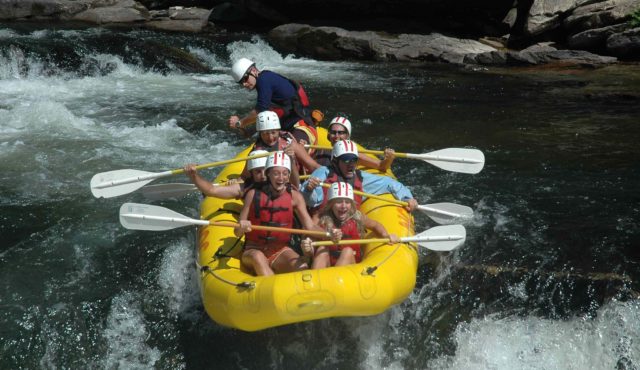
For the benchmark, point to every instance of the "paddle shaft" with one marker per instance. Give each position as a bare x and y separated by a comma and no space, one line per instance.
424,157
172,172
366,151
183,221
387,240
373,196
273,228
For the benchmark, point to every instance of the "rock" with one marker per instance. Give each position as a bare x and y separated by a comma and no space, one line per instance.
180,13
185,25
15,9
330,43
625,44
125,11
540,55
600,15
594,39
578,57
180,19
545,15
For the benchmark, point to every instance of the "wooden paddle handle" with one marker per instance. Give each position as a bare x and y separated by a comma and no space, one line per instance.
273,228
373,196
364,151
352,241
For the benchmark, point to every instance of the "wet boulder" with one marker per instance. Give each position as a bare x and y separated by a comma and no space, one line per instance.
625,44
124,11
331,43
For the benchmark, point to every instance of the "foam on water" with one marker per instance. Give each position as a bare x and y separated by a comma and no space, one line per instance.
607,341
126,336
177,279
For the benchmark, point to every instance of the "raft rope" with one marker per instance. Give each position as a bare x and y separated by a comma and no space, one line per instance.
207,270
371,269
220,254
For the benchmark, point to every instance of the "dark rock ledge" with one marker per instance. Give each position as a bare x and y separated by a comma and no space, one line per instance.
519,32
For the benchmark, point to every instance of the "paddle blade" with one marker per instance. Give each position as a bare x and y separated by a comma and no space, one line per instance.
461,160
137,216
102,183
447,213
164,191
439,238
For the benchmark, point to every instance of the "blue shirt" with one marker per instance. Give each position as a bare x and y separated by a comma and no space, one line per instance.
273,88
372,184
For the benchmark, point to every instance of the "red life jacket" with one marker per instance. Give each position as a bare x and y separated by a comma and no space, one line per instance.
296,107
355,182
270,212
349,231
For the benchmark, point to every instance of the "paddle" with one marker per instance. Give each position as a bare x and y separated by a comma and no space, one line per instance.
461,160
164,191
113,183
442,213
137,216
176,190
439,238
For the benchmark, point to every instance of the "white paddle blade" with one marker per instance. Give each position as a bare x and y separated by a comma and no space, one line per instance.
164,191
439,238
114,183
447,213
461,160
137,216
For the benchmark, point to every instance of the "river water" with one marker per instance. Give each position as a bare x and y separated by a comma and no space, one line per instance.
547,279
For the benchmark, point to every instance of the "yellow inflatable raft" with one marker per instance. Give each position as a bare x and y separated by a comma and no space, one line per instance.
233,298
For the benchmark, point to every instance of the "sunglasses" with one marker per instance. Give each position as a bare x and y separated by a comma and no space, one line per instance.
350,161
244,78
337,132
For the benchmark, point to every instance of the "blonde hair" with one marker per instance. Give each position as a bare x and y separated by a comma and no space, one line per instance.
329,221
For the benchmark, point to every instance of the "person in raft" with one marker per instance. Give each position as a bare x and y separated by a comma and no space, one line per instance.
273,204
275,93
341,212
270,138
340,129
232,189
344,157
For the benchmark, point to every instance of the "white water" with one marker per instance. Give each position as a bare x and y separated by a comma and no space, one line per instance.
57,131
607,341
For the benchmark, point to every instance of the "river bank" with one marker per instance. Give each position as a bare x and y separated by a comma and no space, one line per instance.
583,33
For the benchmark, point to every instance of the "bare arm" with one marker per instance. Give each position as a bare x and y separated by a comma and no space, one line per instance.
302,155
247,120
379,229
245,225
368,161
225,192
301,210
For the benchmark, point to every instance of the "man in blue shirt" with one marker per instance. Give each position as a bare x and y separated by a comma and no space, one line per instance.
343,168
276,93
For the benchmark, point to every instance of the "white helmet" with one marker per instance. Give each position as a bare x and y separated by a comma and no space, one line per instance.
340,190
257,162
240,68
344,147
342,121
267,120
278,159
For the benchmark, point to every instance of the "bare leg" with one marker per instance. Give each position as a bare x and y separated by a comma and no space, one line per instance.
321,259
257,261
289,261
347,257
